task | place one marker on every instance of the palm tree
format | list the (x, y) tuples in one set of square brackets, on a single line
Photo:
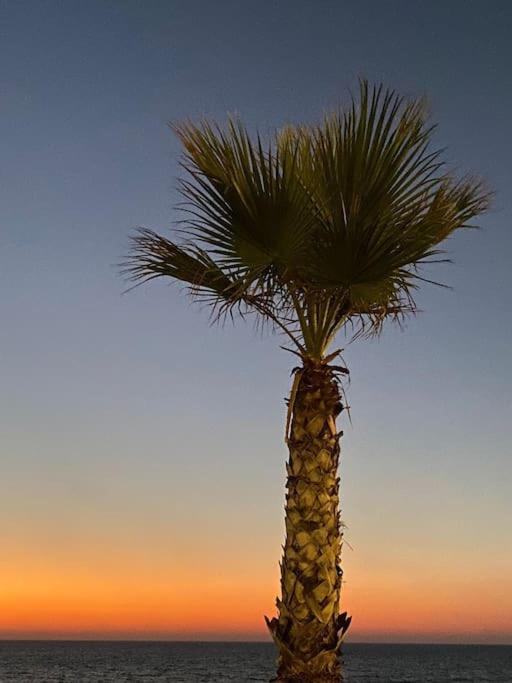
[(320, 229)]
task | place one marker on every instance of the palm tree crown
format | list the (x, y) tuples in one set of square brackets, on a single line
[(318, 228)]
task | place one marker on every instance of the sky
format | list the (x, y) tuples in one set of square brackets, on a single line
[(141, 451)]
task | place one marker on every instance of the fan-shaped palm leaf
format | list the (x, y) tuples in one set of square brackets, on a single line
[(320, 226)]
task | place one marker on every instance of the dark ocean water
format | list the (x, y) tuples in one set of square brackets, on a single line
[(108, 662)]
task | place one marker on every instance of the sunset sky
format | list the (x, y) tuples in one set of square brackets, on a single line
[(141, 451)]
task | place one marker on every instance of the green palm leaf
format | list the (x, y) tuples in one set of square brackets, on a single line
[(318, 227)]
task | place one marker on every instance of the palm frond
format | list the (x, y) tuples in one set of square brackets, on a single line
[(246, 200), (318, 227)]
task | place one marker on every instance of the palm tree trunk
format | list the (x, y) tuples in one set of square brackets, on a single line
[(309, 627)]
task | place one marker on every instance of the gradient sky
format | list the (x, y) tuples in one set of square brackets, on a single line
[(142, 456)]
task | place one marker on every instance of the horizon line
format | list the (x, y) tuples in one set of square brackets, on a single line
[(244, 642)]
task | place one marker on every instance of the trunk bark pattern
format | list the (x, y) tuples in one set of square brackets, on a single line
[(309, 628)]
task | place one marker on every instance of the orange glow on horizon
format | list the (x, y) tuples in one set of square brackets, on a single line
[(172, 604)]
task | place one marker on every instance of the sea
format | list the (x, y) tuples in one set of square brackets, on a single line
[(173, 662)]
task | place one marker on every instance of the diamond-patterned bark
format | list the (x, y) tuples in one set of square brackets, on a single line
[(309, 627)]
